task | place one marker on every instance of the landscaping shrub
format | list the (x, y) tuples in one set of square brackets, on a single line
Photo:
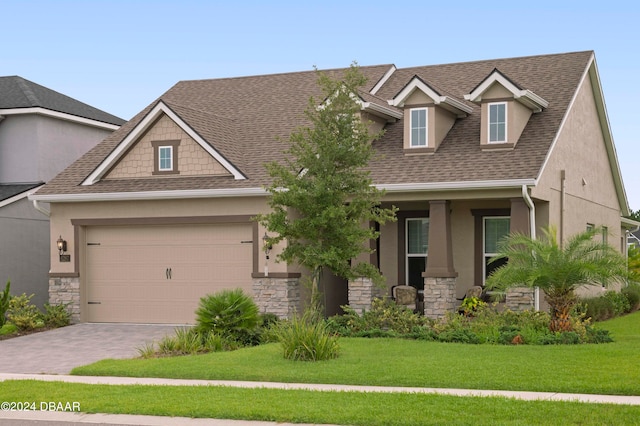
[(632, 293), (612, 303), (23, 314), (484, 325), (386, 318), (187, 341), (56, 315), (8, 328), (231, 314), (305, 339)]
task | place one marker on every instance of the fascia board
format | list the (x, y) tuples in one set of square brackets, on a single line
[(526, 97), (451, 104), (608, 136), (454, 186), (19, 197), (139, 130), (60, 116), (375, 108), (414, 84), (150, 195), (383, 80)]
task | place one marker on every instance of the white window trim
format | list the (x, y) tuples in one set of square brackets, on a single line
[(426, 128), (165, 169), (506, 120), (485, 255), (407, 255)]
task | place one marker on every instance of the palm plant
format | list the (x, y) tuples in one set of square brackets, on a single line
[(557, 270)]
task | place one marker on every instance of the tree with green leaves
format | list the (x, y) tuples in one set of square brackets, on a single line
[(322, 198), (557, 270), (634, 214)]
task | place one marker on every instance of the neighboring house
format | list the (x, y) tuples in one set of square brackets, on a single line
[(41, 133), (633, 238), (160, 212)]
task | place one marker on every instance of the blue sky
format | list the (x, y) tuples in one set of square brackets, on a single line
[(121, 55)]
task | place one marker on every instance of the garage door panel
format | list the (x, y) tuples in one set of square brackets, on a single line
[(157, 274)]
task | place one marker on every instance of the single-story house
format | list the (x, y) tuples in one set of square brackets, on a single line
[(41, 133), (160, 212)]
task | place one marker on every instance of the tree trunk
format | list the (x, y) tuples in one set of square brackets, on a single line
[(561, 305)]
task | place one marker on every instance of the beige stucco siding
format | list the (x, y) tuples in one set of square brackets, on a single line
[(590, 195), (63, 213), (193, 160)]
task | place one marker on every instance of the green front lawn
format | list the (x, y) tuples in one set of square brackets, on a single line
[(610, 368), (345, 408)]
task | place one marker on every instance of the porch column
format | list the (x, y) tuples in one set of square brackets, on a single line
[(519, 298), (440, 276)]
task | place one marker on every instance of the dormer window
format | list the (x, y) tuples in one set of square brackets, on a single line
[(418, 128), (165, 157), (428, 116), (506, 108), (498, 122)]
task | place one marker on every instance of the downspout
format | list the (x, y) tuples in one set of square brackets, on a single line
[(563, 192), (532, 231), (41, 209)]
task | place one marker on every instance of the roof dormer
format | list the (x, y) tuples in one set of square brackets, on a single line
[(428, 115), (505, 110)]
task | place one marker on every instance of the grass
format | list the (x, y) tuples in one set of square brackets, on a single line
[(608, 368), (600, 369), (348, 408)]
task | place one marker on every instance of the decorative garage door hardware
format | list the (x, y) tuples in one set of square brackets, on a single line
[(168, 273)]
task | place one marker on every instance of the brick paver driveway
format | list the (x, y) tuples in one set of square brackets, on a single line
[(59, 351)]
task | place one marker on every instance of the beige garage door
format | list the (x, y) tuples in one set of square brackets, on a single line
[(157, 274)]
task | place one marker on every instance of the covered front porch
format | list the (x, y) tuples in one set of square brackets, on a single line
[(442, 248)]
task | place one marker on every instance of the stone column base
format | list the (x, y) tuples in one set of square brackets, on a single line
[(519, 299), (439, 296), (362, 291), (278, 296), (66, 290)]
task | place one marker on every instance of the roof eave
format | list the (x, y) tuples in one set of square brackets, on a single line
[(150, 195), (457, 186), (59, 115)]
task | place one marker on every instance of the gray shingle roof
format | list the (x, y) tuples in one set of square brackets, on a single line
[(17, 92), (248, 119), (10, 190)]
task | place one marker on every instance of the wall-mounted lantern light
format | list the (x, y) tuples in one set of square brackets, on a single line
[(62, 245), (267, 249), (62, 248)]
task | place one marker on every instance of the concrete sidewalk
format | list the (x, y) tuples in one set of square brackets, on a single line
[(521, 395)]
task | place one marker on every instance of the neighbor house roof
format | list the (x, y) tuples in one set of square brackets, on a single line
[(10, 193), (248, 120), (17, 93)]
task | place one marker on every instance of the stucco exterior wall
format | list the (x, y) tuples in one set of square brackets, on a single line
[(35, 148), (24, 251), (589, 189)]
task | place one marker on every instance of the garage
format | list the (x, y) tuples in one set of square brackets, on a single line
[(158, 273)]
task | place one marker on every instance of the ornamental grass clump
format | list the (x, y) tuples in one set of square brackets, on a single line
[(307, 339)]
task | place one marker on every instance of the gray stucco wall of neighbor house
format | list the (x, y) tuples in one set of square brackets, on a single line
[(24, 250), (35, 148)]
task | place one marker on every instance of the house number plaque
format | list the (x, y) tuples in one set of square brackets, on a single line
[(65, 258)]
